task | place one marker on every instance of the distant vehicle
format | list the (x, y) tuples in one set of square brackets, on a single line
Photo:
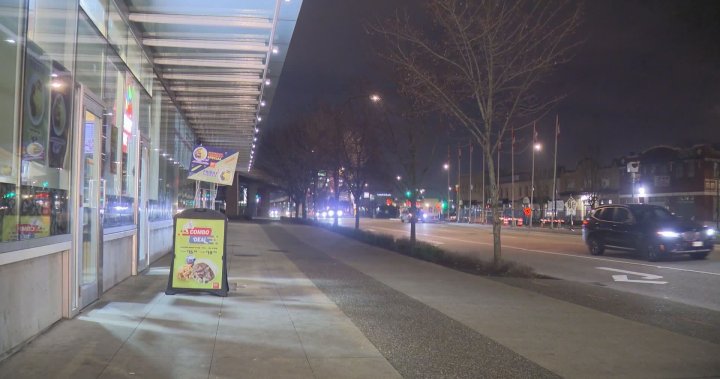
[(650, 230), (331, 213), (406, 215)]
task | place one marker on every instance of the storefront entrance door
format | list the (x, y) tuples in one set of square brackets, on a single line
[(91, 195)]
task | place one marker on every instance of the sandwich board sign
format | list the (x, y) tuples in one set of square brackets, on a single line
[(199, 261)]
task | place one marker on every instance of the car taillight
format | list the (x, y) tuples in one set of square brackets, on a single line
[(585, 222)]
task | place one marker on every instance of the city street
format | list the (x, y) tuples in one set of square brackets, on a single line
[(564, 256)]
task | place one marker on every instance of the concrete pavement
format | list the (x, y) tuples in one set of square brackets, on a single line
[(309, 303), (274, 324)]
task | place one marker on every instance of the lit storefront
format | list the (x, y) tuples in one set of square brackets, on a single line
[(92, 159)]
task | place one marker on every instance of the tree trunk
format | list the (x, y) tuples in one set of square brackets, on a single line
[(357, 218), (336, 184), (304, 206), (413, 219), (497, 226)]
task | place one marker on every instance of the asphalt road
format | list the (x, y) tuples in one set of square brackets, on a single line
[(564, 256)]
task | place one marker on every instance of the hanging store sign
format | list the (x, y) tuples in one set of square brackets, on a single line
[(213, 165)]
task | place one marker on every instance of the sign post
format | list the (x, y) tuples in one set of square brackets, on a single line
[(199, 261)]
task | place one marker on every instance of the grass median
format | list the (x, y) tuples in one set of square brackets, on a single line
[(430, 253)]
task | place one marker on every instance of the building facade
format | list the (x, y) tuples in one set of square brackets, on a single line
[(685, 180), (92, 160)]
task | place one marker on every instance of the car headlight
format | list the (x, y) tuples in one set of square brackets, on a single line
[(710, 232), (668, 234), (323, 215), (339, 213), (331, 213), (425, 215)]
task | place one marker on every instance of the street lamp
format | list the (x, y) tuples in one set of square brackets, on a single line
[(536, 147), (446, 166)]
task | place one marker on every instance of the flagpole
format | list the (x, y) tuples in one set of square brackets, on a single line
[(470, 186), (457, 189), (512, 177), (557, 130), (497, 188), (532, 178), (484, 200)]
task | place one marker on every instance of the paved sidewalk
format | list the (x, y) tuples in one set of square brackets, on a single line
[(274, 324)]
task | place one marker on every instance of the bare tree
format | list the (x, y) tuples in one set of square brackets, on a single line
[(481, 64), (360, 153), (289, 161), (411, 144)]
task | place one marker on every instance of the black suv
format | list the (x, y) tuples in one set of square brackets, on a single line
[(650, 230)]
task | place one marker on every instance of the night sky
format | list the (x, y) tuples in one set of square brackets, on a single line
[(648, 73)]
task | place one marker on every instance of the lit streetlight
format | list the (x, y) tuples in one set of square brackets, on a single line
[(375, 98), (536, 147), (446, 166)]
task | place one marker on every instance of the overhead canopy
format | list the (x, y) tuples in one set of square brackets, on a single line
[(221, 61)]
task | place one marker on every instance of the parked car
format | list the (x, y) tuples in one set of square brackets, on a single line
[(406, 215), (650, 230)]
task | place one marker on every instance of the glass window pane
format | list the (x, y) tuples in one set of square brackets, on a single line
[(117, 31), (51, 28), (134, 56), (12, 22), (46, 148), (96, 10), (90, 57)]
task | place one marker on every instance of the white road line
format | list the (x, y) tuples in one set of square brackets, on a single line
[(570, 255)]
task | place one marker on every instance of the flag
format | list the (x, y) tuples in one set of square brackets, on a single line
[(557, 125), (535, 134)]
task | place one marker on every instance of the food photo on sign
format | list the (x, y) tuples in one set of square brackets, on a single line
[(198, 254)]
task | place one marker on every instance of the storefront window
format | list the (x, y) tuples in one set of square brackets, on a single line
[(90, 56), (121, 141), (117, 31), (51, 27), (96, 11), (46, 125), (12, 22)]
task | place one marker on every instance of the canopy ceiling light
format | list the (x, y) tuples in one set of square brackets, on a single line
[(236, 21)]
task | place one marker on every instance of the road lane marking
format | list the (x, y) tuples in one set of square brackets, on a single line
[(568, 254), (646, 278)]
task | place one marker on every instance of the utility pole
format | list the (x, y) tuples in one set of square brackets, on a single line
[(557, 131), (498, 177), (512, 176), (532, 177)]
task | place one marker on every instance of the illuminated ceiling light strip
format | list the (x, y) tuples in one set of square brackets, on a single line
[(234, 91), (204, 44), (241, 21), (219, 99), (221, 108), (215, 78), (222, 63)]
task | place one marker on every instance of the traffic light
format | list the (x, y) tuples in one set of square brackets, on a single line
[(407, 194), (443, 204)]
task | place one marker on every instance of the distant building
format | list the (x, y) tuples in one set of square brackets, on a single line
[(683, 180), (686, 181)]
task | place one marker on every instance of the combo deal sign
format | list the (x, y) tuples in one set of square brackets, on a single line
[(213, 165)]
